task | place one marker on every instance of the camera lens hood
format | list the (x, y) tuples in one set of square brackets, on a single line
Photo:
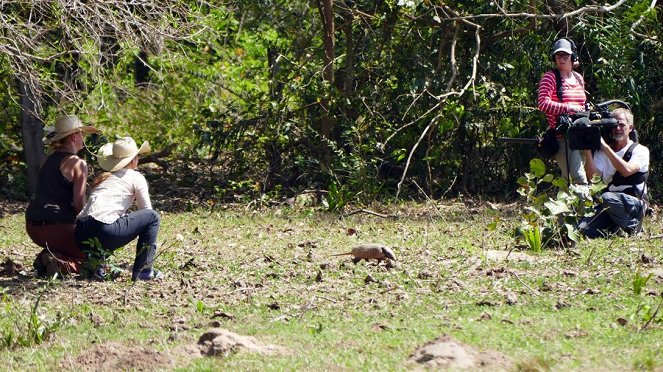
[(609, 122), (581, 122)]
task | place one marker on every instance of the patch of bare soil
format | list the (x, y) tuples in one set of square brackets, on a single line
[(495, 255), (8, 208), (657, 274), (221, 342), (113, 356), (447, 353)]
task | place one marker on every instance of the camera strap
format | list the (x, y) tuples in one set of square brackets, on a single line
[(629, 152)]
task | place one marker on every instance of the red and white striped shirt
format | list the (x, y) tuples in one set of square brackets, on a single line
[(573, 93)]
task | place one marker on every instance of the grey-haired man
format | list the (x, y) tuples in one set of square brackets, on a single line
[(624, 166)]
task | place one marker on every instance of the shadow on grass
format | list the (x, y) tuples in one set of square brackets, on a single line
[(20, 284)]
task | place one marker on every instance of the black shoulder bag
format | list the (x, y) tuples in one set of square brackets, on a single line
[(548, 145)]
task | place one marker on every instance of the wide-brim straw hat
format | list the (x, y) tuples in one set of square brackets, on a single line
[(67, 125), (116, 155)]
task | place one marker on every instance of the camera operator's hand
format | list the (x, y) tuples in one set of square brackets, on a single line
[(590, 167)]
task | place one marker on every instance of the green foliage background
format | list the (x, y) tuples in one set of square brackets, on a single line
[(243, 94)]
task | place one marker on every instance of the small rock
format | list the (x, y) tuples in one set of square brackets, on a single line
[(379, 327), (511, 298), (97, 320), (575, 333), (223, 315), (425, 275), (239, 284), (11, 268), (646, 259), (561, 304)]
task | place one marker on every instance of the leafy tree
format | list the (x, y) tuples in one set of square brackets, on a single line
[(59, 51), (398, 96)]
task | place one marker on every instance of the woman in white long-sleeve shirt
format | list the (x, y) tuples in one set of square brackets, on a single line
[(103, 225)]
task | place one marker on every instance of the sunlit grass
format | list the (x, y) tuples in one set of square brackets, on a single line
[(273, 272)]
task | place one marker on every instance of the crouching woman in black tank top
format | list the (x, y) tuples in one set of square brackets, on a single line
[(60, 196)]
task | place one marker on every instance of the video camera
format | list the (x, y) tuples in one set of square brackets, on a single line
[(584, 129)]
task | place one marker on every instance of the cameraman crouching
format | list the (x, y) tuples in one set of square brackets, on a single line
[(624, 166)]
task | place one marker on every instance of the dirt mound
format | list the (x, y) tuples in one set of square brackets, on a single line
[(113, 356), (448, 353), (221, 342)]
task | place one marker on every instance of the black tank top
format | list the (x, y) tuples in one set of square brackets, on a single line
[(54, 198)]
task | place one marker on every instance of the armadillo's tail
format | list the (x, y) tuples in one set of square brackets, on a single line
[(341, 254)]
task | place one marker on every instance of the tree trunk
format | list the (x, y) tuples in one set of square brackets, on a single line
[(33, 131), (141, 70), (348, 83), (327, 14), (276, 87)]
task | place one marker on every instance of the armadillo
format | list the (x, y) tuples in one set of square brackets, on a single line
[(369, 251)]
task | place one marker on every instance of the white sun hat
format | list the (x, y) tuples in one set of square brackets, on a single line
[(65, 126), (116, 155)]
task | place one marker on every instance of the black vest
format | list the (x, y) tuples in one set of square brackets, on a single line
[(633, 180)]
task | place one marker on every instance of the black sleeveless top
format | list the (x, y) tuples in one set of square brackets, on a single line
[(53, 201)]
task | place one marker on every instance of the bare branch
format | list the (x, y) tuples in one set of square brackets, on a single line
[(594, 9), (36, 35), (442, 98), (635, 24)]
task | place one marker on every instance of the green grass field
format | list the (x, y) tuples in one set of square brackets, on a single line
[(269, 274)]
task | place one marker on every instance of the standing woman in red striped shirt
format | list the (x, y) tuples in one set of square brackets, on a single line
[(573, 96)]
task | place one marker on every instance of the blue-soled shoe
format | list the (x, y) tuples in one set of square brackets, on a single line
[(99, 273), (105, 272)]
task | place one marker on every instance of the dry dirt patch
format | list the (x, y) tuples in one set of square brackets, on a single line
[(495, 255), (113, 356), (447, 353), (656, 273)]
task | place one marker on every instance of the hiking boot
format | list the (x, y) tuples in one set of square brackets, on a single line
[(51, 265), (40, 268), (148, 274), (638, 229)]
